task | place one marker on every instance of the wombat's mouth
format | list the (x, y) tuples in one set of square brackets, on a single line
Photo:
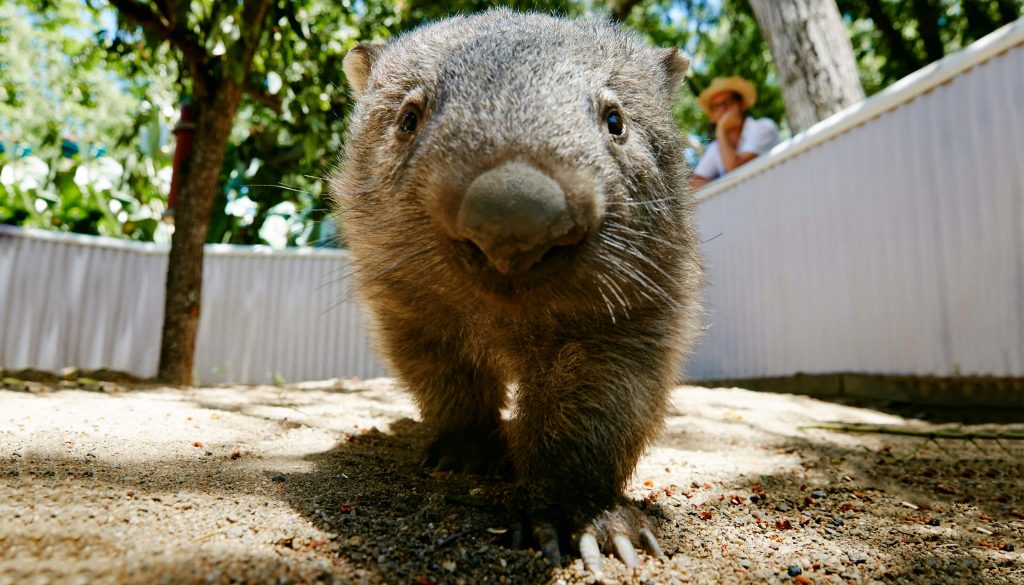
[(528, 272)]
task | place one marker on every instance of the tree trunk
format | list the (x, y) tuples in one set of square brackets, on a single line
[(927, 13), (813, 56), (192, 221)]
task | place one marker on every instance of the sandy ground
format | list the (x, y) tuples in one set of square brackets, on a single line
[(320, 483)]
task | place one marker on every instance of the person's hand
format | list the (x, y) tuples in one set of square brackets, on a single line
[(730, 120)]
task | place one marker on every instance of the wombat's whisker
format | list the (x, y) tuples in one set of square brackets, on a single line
[(636, 253), (611, 241), (713, 238), (616, 266), (616, 292), (651, 237), (425, 260), (334, 277), (624, 267), (608, 303), (646, 284), (281, 186), (656, 203)]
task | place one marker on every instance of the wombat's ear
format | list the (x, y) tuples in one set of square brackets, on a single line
[(357, 65), (676, 64)]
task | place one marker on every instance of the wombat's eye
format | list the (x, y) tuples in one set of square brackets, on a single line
[(614, 121), (408, 122)]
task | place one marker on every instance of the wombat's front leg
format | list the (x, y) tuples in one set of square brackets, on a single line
[(581, 424), (459, 398)]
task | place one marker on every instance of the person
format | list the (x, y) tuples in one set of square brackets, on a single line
[(738, 137)]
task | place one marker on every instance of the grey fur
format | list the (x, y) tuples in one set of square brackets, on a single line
[(584, 354)]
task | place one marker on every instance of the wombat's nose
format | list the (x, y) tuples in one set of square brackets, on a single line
[(515, 213)]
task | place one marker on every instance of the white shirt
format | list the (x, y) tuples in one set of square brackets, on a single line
[(757, 136)]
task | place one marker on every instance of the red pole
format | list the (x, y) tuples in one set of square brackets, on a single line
[(184, 136)]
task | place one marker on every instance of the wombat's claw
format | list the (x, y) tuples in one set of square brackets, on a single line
[(547, 538), (614, 528), (590, 552), (475, 451), (650, 543)]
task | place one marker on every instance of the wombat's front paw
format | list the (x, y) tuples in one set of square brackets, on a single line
[(618, 530), (475, 450)]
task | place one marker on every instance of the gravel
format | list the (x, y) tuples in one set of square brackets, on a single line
[(320, 483)]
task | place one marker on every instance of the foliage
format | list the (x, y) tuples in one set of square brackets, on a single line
[(893, 38), (112, 96), (79, 150)]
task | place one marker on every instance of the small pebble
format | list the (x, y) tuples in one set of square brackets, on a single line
[(856, 557), (794, 570), (837, 522), (818, 495), (278, 478)]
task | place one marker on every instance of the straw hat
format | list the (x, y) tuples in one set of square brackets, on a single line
[(723, 84)]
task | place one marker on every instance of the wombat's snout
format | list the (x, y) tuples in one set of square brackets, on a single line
[(514, 214)]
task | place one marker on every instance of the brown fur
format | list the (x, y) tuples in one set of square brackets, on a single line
[(584, 353)]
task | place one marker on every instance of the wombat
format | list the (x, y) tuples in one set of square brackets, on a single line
[(514, 195)]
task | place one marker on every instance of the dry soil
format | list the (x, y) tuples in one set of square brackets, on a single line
[(102, 483)]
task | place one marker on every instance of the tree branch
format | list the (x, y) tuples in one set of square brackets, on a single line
[(264, 97), (254, 13), (620, 9), (179, 38), (167, 12)]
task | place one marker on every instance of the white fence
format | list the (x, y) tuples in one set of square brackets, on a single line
[(95, 303), (887, 239)]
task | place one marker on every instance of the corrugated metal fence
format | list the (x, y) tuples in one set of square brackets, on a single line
[(887, 239), (96, 303)]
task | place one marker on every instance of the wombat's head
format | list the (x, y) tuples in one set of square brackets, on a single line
[(512, 153)]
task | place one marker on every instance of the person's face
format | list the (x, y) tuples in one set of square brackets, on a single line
[(722, 103)]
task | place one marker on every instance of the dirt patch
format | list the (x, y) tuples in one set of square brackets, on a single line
[(321, 483)]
